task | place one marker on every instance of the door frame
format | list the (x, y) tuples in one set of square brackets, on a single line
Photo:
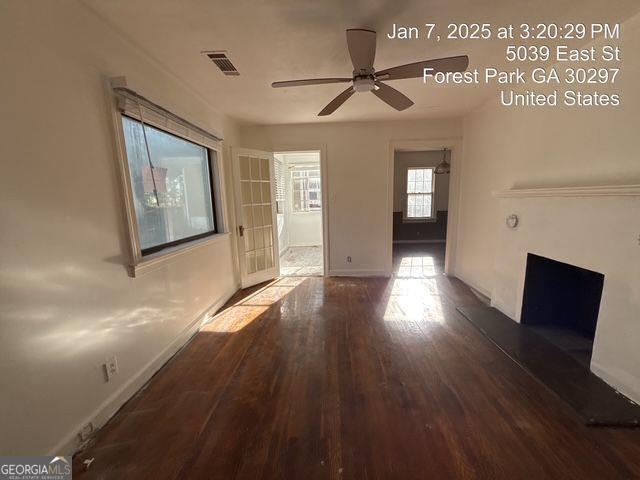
[(453, 220), (264, 276), (322, 149)]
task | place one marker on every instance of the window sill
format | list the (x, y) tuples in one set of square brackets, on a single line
[(156, 260), (420, 220)]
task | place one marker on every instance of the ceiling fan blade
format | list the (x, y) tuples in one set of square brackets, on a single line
[(336, 102), (391, 96), (362, 48), (415, 70), (309, 81)]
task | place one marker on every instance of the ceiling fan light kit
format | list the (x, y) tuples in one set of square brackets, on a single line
[(362, 50), (365, 84)]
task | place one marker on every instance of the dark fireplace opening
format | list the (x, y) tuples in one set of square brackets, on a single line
[(561, 302)]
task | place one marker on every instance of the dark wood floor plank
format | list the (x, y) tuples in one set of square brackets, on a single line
[(352, 378)]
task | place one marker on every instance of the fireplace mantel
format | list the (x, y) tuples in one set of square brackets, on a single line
[(594, 191)]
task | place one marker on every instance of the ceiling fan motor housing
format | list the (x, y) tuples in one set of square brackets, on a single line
[(363, 84)]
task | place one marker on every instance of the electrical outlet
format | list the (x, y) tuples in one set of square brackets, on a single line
[(349, 259), (110, 368)]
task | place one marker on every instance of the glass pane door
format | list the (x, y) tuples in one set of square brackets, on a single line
[(257, 217)]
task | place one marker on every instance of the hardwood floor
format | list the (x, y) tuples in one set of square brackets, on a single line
[(370, 378)]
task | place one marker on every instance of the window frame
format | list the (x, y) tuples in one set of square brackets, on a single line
[(307, 190), (163, 246), (405, 214), (153, 257)]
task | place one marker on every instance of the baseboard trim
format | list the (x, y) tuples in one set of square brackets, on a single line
[(502, 309), (472, 285), (481, 291), (421, 241), (358, 273), (71, 443), (625, 386)]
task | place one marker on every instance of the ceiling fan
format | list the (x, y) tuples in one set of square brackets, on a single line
[(362, 49)]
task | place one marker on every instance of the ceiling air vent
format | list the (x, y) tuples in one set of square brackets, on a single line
[(222, 62)]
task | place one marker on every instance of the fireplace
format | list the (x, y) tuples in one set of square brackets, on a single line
[(561, 302)]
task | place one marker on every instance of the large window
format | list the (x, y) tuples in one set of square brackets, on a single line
[(419, 193), (172, 187), (307, 196)]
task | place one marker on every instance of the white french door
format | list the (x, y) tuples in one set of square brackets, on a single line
[(256, 216)]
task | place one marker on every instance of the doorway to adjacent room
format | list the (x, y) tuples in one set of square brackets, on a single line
[(420, 212), (299, 213)]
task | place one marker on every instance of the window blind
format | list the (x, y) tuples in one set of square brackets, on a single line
[(279, 180), (134, 105)]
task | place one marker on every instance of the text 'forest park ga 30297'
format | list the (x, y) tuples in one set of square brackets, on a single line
[(544, 64)]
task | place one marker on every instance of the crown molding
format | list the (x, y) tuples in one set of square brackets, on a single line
[(593, 191)]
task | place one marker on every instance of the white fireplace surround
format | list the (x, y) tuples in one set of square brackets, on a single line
[(597, 228)]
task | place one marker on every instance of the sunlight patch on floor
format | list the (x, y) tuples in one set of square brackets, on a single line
[(413, 300), (247, 310), (235, 318), (269, 295), (416, 267), (289, 281)]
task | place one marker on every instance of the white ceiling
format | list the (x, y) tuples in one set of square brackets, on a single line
[(273, 40)]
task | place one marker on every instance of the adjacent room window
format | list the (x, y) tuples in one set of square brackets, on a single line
[(419, 193), (172, 186), (306, 190)]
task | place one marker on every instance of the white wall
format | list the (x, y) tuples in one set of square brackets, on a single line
[(357, 156), (305, 229), (506, 148), (403, 160), (515, 147), (67, 302)]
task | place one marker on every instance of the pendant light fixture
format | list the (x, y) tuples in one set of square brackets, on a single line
[(443, 167)]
